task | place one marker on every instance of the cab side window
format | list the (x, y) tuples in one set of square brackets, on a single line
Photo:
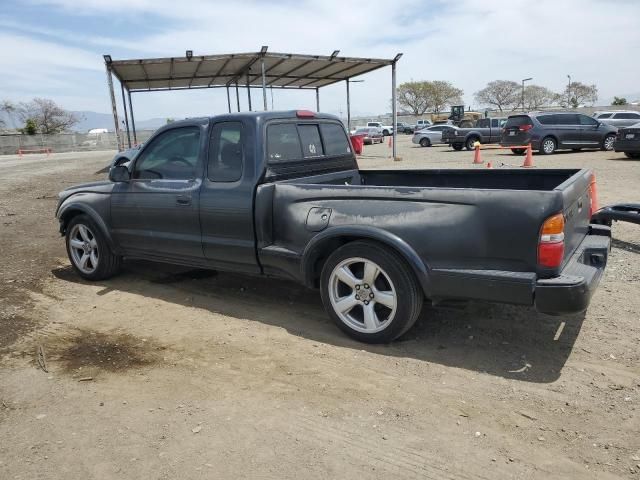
[(172, 155), (226, 153)]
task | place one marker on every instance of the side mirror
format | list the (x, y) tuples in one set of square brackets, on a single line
[(119, 173)]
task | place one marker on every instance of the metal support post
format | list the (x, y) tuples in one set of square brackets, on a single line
[(248, 92), (114, 110), (228, 99), (133, 122), (126, 117), (394, 111), (238, 96), (317, 99), (264, 85), (348, 109)]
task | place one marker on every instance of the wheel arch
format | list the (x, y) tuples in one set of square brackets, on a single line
[(70, 210), (321, 246)]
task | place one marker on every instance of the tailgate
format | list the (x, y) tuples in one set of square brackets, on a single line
[(576, 199)]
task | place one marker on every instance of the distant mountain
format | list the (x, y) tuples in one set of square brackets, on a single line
[(90, 120)]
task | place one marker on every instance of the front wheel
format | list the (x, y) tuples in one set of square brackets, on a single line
[(457, 146), (518, 151), (89, 251), (424, 142), (370, 292), (607, 143), (385, 133)]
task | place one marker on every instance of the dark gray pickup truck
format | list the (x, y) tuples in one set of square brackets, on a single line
[(486, 130), (281, 194)]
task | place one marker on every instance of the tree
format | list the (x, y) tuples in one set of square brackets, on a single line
[(619, 101), (8, 108), (578, 93), (413, 97), (500, 94), (536, 97), (30, 127), (441, 94), (47, 115)]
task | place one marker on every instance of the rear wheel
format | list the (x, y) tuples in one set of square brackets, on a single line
[(607, 143), (89, 251), (634, 155), (457, 146), (547, 146), (425, 142), (518, 151), (470, 143), (370, 292)]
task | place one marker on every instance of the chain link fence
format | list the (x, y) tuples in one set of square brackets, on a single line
[(66, 142)]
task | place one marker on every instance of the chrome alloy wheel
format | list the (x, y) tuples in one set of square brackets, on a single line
[(84, 248), (549, 146), (608, 142), (362, 295)]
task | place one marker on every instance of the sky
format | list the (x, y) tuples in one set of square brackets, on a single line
[(54, 48)]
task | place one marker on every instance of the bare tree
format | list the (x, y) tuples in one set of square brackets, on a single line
[(442, 94), (413, 96), (536, 97), (578, 93), (500, 94), (8, 108), (47, 115)]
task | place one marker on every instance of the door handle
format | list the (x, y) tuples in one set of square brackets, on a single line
[(183, 200)]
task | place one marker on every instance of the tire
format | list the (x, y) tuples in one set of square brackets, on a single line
[(385, 133), (518, 151), (470, 141), (343, 280), (634, 155), (425, 142), (457, 146), (607, 143), (88, 250), (548, 146)]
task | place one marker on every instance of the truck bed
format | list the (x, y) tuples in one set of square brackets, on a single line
[(460, 223)]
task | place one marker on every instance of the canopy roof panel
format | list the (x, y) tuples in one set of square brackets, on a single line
[(282, 70)]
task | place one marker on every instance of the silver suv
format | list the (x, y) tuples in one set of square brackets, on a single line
[(618, 118)]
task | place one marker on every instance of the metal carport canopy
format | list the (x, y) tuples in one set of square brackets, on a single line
[(261, 69)]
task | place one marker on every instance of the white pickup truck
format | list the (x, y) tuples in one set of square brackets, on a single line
[(386, 129)]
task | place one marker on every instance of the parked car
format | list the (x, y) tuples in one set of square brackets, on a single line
[(618, 118), (420, 124), (405, 127), (628, 141), (385, 129), (371, 135), (280, 194), (486, 130), (431, 135), (551, 131)]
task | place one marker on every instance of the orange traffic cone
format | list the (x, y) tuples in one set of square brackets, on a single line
[(528, 159), (477, 158), (390, 141)]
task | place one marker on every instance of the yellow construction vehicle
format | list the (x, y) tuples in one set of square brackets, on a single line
[(458, 117)]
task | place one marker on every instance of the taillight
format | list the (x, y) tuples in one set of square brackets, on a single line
[(551, 242), (525, 128), (593, 195)]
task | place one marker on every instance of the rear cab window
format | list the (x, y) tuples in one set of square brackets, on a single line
[(297, 141)]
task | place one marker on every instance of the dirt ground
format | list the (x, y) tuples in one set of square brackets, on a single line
[(164, 373)]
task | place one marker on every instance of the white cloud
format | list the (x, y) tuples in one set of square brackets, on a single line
[(468, 42)]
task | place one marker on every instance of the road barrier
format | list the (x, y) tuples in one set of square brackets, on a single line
[(477, 156), (22, 151)]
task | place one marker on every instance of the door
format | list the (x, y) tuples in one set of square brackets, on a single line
[(568, 130), (226, 198), (156, 212), (590, 133)]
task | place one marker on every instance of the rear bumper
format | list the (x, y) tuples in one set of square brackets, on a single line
[(508, 142), (568, 292), (571, 291), (632, 146)]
